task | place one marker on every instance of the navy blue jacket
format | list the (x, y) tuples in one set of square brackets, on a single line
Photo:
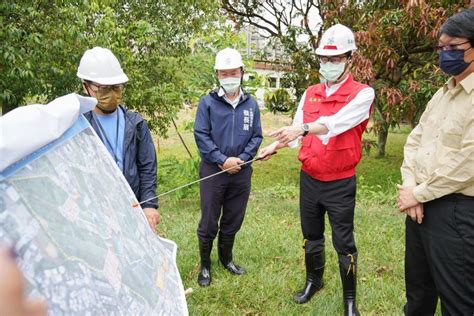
[(221, 131), (140, 163)]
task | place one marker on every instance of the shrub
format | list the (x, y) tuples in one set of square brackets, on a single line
[(174, 173), (278, 101)]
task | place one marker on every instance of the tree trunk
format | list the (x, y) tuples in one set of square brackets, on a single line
[(181, 138), (382, 140)]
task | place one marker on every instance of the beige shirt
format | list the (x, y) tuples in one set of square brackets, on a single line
[(439, 152)]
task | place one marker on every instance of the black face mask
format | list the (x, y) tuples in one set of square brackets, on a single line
[(452, 62)]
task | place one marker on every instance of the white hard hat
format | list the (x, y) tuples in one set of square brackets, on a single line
[(228, 58), (100, 65), (337, 40)]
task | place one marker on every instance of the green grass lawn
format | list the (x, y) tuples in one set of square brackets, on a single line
[(269, 244)]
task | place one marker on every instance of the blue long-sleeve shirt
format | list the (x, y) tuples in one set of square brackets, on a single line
[(139, 162)]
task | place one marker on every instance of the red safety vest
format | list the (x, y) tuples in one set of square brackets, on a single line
[(338, 159)]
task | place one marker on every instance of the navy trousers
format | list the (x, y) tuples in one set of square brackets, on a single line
[(439, 258), (223, 201)]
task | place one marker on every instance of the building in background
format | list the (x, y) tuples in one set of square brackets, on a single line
[(269, 61)]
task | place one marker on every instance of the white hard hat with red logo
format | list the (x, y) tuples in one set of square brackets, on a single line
[(100, 65), (228, 58), (337, 40)]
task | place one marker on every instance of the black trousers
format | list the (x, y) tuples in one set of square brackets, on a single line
[(439, 258), (337, 198), (223, 201)]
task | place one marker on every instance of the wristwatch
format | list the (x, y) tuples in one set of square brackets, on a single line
[(305, 128)]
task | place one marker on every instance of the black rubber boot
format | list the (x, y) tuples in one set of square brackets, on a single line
[(348, 271), (314, 261), (204, 277), (225, 246)]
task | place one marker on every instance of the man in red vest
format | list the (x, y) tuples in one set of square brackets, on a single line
[(329, 123)]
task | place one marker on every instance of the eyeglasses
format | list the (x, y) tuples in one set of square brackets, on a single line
[(449, 47), (332, 59), (116, 87)]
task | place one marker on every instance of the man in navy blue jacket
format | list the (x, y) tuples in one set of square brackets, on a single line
[(228, 133), (124, 133)]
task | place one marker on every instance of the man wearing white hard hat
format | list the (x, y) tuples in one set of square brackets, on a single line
[(228, 133), (329, 123), (124, 133)]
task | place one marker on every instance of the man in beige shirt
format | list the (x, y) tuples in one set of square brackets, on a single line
[(438, 184)]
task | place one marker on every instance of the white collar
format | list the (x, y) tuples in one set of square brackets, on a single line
[(330, 90), (235, 102)]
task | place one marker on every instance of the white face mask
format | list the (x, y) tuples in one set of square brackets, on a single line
[(230, 84), (332, 71)]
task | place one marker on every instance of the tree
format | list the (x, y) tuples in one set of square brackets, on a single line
[(43, 41), (284, 21), (395, 40)]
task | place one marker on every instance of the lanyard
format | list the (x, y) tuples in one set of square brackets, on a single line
[(104, 135)]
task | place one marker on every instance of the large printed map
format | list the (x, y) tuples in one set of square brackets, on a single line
[(67, 210)]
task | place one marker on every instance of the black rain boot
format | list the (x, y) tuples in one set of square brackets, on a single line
[(314, 260), (225, 246), (348, 271), (204, 277)]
